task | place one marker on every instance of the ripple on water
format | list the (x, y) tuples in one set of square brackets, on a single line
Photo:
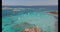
[(43, 20)]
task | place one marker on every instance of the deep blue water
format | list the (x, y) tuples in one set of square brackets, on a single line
[(47, 7), (26, 10)]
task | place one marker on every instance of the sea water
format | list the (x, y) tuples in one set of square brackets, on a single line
[(41, 19)]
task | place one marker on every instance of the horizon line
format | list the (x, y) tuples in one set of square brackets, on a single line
[(29, 5)]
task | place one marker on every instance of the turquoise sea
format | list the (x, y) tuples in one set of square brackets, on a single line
[(34, 16)]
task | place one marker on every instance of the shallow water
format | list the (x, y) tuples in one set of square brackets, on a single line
[(35, 17), (43, 20)]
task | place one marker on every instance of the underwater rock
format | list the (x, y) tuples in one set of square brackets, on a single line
[(26, 27), (34, 29)]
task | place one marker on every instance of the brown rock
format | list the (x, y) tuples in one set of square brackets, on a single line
[(34, 29)]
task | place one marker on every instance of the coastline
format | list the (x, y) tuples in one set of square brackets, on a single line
[(54, 13)]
